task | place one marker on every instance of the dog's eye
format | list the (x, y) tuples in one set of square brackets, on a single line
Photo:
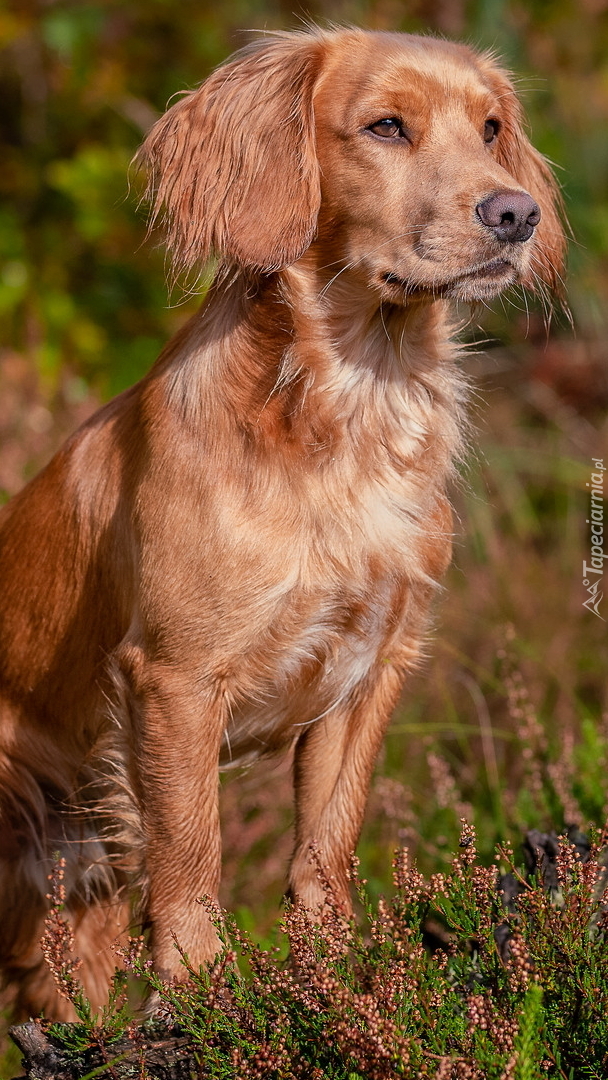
[(491, 131), (390, 128)]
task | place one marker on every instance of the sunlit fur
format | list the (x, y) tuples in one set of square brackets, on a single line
[(239, 553)]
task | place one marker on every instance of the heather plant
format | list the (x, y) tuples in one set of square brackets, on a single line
[(478, 973), (91, 1029)]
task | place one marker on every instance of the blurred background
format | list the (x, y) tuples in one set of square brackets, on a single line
[(507, 724)]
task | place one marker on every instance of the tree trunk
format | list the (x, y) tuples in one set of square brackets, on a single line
[(154, 1054)]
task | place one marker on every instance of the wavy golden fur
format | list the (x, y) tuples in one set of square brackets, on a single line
[(239, 553)]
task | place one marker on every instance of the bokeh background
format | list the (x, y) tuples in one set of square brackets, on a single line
[(507, 724)]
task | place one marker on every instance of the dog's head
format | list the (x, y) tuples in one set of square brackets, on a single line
[(401, 158)]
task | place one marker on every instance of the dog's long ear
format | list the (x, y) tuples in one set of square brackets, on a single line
[(233, 164), (517, 155)]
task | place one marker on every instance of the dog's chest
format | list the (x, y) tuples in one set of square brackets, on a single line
[(307, 661), (326, 600)]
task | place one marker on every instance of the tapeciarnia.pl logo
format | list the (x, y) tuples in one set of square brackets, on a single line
[(594, 569)]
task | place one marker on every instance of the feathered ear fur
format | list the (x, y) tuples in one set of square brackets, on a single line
[(233, 163), (517, 155)]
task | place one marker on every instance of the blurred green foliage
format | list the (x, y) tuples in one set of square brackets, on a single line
[(81, 81)]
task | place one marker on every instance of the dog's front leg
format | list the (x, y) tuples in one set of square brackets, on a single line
[(333, 766), (178, 726)]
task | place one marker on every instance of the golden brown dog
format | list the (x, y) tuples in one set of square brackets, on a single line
[(239, 552)]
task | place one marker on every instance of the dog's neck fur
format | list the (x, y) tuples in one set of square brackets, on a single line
[(303, 367)]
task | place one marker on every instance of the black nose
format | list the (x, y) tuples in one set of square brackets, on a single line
[(511, 215)]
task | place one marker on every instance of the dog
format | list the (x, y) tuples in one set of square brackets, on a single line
[(239, 553)]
